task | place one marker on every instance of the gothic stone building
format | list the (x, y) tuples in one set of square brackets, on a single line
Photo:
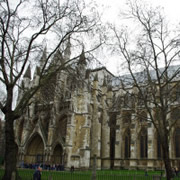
[(70, 121)]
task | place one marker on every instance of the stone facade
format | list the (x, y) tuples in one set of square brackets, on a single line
[(71, 120)]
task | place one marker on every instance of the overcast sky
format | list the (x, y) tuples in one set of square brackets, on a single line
[(112, 8), (171, 7)]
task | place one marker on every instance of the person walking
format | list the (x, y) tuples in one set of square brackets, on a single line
[(37, 174)]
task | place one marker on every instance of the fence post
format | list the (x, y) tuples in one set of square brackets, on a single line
[(50, 177), (94, 168), (13, 177)]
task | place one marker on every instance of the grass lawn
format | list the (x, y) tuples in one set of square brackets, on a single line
[(27, 174)]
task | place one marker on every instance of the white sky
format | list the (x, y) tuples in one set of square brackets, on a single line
[(111, 9), (171, 7)]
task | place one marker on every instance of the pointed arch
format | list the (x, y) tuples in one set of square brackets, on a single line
[(143, 143), (112, 137), (177, 142), (57, 157), (34, 150), (127, 143)]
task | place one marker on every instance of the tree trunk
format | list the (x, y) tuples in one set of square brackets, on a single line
[(11, 149), (166, 159)]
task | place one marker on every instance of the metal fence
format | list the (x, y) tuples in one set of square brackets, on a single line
[(27, 174)]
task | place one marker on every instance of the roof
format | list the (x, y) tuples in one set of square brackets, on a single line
[(142, 77)]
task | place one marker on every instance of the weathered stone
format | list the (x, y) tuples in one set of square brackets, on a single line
[(81, 120)]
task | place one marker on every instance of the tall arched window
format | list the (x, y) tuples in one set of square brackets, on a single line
[(143, 143), (177, 95), (112, 138), (127, 144), (177, 142)]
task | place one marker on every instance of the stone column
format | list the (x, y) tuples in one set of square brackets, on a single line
[(69, 139), (47, 154), (84, 143), (118, 145), (151, 148), (20, 160), (96, 126), (134, 143), (51, 131), (171, 144), (50, 140), (105, 144)]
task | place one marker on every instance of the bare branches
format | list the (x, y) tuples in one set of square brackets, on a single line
[(152, 64), (21, 41), (152, 55), (21, 36)]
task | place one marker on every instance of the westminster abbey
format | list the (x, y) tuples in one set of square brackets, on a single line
[(78, 116)]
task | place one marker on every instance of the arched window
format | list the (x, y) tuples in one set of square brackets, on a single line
[(143, 143), (177, 142), (177, 93), (127, 144), (112, 138)]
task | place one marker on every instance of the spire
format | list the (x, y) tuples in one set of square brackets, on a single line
[(67, 51), (28, 73), (58, 57), (96, 77), (43, 57), (38, 71), (88, 71), (82, 58), (104, 82)]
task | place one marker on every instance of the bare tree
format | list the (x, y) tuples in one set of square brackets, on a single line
[(153, 72), (22, 26)]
